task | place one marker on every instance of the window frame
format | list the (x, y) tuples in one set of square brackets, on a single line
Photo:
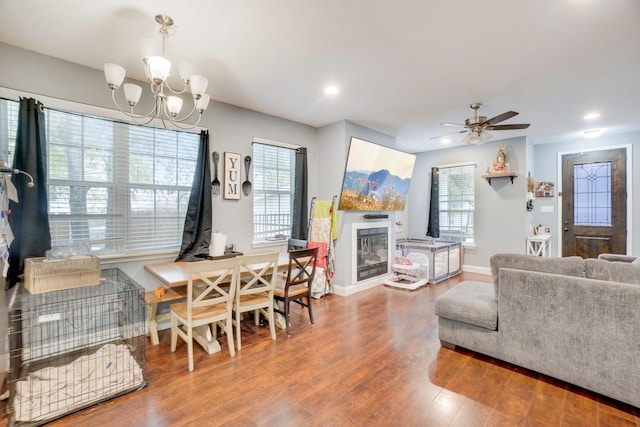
[(465, 170), (69, 107), (278, 231)]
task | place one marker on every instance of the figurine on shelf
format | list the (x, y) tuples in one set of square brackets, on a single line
[(501, 165)]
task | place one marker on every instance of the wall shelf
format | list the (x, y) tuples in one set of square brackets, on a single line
[(491, 176)]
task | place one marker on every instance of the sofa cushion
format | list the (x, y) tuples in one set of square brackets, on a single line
[(625, 272), (618, 257), (597, 269), (470, 302), (568, 266)]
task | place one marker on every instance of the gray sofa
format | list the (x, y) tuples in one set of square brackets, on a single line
[(570, 318)]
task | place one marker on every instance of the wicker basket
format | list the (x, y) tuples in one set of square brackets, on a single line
[(43, 275)]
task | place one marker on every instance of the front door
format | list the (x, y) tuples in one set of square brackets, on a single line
[(594, 203)]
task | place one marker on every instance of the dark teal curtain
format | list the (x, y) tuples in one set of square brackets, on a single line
[(433, 222), (300, 223), (197, 223), (29, 218)]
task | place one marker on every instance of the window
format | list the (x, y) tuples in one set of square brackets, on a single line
[(592, 194), (273, 176), (457, 202), (121, 188)]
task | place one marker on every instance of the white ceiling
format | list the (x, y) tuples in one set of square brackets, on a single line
[(403, 66)]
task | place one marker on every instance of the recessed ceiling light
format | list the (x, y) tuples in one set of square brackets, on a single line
[(593, 133), (592, 116), (331, 90), (445, 140)]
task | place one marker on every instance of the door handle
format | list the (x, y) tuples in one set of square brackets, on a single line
[(566, 229)]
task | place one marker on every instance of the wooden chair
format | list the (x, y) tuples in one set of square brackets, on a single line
[(297, 286), (295, 244), (256, 284), (209, 302)]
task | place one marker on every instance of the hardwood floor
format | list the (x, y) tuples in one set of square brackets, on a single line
[(371, 359)]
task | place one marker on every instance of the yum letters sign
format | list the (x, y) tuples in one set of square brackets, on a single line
[(232, 178)]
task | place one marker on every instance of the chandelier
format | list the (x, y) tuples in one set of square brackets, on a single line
[(167, 105)]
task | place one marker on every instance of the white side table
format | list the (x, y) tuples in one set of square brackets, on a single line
[(538, 245)]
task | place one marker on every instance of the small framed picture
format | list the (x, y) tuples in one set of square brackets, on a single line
[(544, 189), (231, 180)]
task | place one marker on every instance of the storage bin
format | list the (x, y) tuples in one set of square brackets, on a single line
[(46, 275)]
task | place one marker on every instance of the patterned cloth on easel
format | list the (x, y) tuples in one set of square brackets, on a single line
[(320, 233), (324, 209)]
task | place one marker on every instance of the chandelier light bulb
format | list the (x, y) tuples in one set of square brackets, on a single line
[(198, 85), (132, 93), (174, 105), (114, 75), (186, 70), (202, 103), (159, 69)]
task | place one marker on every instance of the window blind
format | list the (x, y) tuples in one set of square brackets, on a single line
[(273, 177), (457, 203), (122, 189)]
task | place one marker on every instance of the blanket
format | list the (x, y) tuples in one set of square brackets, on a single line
[(53, 391)]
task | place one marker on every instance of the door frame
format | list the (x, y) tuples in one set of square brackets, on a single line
[(629, 154)]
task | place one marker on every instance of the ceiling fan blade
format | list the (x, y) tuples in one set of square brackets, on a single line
[(499, 118), (508, 127), (453, 124), (447, 134)]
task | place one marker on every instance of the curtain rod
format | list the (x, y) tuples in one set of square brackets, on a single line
[(68, 106)]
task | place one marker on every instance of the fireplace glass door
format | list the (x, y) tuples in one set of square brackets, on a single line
[(372, 252)]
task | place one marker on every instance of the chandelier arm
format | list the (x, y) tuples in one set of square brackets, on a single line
[(179, 124), (141, 123), (176, 92), (131, 114)]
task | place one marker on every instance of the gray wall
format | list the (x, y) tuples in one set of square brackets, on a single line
[(500, 215), (546, 169)]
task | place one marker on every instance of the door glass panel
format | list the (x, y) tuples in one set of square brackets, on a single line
[(592, 194)]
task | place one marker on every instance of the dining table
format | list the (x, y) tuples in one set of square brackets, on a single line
[(174, 278)]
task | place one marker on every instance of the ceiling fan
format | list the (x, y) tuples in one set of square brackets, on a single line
[(476, 127)]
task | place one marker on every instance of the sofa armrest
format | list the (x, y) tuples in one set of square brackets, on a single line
[(617, 257)]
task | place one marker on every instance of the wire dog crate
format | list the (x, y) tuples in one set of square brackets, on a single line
[(73, 348)]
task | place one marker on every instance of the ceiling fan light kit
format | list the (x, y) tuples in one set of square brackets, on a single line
[(477, 137), (476, 127)]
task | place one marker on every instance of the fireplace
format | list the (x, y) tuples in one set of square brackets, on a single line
[(371, 251)]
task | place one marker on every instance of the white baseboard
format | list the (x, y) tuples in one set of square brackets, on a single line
[(476, 269), (345, 291)]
